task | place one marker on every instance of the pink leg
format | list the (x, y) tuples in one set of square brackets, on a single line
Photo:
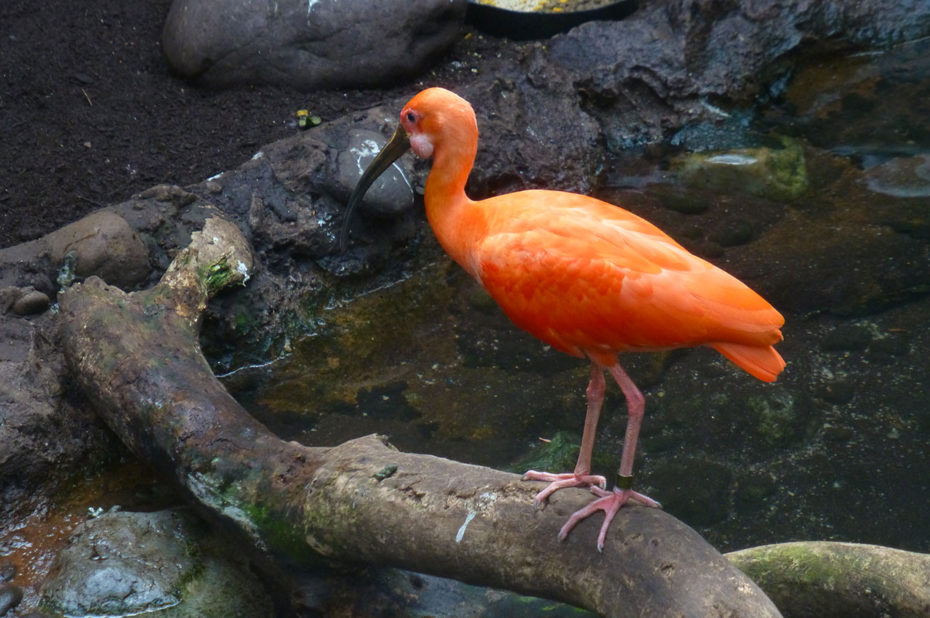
[(582, 476), (611, 501)]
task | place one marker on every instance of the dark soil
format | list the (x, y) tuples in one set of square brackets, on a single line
[(90, 113)]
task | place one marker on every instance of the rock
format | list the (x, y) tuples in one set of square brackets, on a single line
[(674, 60), (124, 563), (778, 174), (821, 578), (535, 133), (837, 392), (10, 596), (308, 44), (43, 435), (102, 244), (695, 490), (32, 301), (875, 105), (392, 193), (901, 177), (848, 337)]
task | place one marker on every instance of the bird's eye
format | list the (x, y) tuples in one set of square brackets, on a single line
[(411, 117)]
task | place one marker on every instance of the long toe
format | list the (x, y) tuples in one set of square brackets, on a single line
[(610, 502), (561, 481)]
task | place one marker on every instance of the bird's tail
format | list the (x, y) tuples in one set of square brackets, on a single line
[(762, 362)]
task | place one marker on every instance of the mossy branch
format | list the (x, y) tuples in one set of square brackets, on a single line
[(839, 579)]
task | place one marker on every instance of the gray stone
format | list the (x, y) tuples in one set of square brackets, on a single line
[(10, 596), (102, 244), (32, 301), (308, 44), (124, 563), (392, 192), (674, 61)]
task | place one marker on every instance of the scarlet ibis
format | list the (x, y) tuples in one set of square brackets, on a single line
[(587, 277)]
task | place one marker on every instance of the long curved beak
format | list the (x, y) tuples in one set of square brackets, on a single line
[(398, 145)]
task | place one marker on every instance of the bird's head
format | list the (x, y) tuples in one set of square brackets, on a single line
[(434, 121), (439, 118)]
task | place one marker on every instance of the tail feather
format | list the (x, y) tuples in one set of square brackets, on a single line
[(760, 362)]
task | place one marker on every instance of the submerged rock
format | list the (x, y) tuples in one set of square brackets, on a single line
[(901, 177), (30, 301), (124, 563), (10, 597), (778, 174)]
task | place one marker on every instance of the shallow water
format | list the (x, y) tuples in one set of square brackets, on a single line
[(30, 545), (818, 199)]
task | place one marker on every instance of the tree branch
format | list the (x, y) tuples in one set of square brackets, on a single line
[(819, 578), (137, 356)]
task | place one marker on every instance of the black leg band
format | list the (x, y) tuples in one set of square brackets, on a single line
[(624, 482)]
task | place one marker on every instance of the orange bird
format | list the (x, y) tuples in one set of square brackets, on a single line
[(586, 277)]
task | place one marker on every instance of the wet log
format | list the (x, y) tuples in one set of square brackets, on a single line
[(137, 357), (826, 579)]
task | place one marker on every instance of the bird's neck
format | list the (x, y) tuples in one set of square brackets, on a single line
[(455, 220)]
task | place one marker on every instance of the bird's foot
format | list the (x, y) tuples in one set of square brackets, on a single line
[(561, 481), (609, 502)]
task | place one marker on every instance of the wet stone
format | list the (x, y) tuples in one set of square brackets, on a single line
[(101, 244), (776, 418), (10, 596), (888, 349), (901, 177), (30, 303), (778, 174), (392, 192), (125, 563), (848, 337), (227, 42), (695, 491), (752, 491), (838, 392), (837, 434), (923, 421), (733, 233)]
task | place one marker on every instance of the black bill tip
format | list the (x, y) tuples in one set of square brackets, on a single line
[(396, 146)]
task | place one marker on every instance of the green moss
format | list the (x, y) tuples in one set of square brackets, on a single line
[(560, 453), (776, 417), (281, 536), (805, 566), (217, 275), (778, 174)]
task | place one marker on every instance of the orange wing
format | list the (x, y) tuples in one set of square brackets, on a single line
[(592, 279)]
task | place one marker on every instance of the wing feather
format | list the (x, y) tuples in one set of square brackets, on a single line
[(588, 277)]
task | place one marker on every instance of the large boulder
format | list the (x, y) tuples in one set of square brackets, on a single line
[(308, 44)]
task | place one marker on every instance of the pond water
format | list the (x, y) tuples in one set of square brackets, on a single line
[(818, 198)]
